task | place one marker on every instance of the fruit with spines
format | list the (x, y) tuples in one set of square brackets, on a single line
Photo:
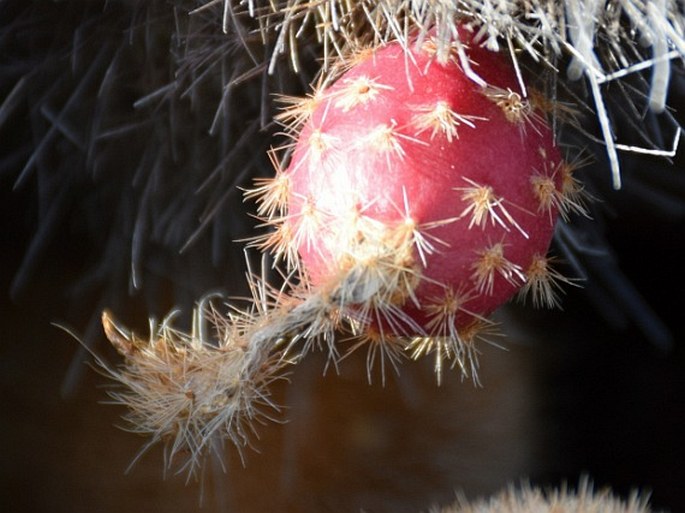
[(419, 198)]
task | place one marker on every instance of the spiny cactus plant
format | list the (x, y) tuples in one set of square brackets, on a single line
[(382, 274), (418, 193), (527, 499)]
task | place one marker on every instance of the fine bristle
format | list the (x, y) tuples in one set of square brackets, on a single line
[(485, 208), (544, 283), (490, 263)]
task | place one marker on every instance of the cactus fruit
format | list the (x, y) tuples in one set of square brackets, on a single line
[(418, 195)]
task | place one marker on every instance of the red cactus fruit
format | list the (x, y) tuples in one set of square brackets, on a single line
[(418, 196)]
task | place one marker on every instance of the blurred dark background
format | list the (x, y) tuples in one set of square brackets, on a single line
[(102, 181)]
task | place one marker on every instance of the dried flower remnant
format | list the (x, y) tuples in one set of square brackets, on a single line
[(188, 392)]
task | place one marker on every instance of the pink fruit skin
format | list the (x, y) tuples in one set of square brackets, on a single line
[(432, 171)]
